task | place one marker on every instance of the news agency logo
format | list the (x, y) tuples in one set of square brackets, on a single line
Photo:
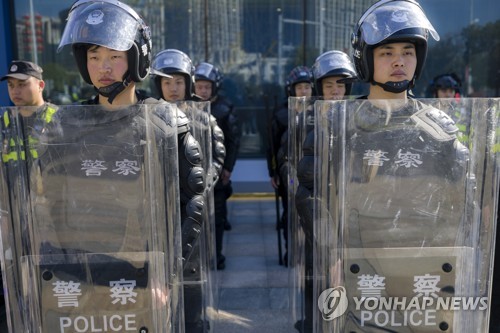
[(333, 303), (395, 311)]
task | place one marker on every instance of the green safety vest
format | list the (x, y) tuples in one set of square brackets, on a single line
[(9, 151)]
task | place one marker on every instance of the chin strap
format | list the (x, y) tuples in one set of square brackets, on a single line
[(394, 87), (114, 89)]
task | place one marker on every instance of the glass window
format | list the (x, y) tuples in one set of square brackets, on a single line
[(257, 42)]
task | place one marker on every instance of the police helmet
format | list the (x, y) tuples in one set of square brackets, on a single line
[(446, 81), (390, 21), (208, 72), (172, 61), (333, 63), (298, 75), (111, 24)]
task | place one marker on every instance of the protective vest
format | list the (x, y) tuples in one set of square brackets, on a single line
[(11, 140)]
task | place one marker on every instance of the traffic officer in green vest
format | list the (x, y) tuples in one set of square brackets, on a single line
[(25, 86)]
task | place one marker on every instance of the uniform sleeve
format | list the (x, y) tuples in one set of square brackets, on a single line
[(218, 148), (231, 128), (192, 185), (281, 141), (304, 198), (274, 146)]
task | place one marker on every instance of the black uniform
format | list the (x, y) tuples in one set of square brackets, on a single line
[(277, 163), (222, 109), (191, 179), (218, 148), (89, 174), (371, 128), (304, 202), (194, 297)]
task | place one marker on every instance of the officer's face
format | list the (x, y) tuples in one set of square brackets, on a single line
[(332, 89), (25, 92), (203, 89), (173, 89), (394, 62), (446, 93), (106, 66), (303, 89)]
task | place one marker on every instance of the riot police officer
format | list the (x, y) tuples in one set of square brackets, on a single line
[(445, 86), (328, 70), (112, 46), (208, 80), (448, 88), (369, 46), (299, 83), (178, 87), (388, 204), (178, 83), (116, 88)]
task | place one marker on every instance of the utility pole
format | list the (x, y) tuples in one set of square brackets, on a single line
[(304, 31), (34, 47), (206, 32)]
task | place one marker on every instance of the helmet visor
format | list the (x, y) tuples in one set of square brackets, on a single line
[(391, 17), (333, 61), (102, 24), (204, 71), (299, 74), (172, 61)]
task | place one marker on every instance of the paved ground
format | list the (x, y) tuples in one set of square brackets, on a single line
[(254, 294)]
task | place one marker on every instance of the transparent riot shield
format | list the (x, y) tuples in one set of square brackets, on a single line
[(300, 180), (200, 283), (458, 110), (90, 219), (405, 217)]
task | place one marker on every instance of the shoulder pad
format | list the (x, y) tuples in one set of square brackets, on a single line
[(182, 119), (436, 123), (151, 100), (159, 116)]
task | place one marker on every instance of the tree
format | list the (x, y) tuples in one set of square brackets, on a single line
[(476, 48)]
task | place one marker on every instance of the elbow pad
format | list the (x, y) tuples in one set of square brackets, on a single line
[(191, 173), (192, 224)]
